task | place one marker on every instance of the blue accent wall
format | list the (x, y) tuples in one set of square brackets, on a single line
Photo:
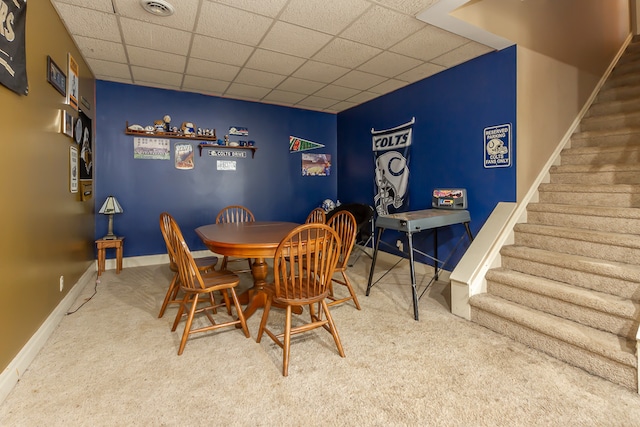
[(270, 184), (451, 110)]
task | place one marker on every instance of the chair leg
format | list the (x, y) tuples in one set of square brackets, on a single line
[(287, 343), (241, 318), (332, 328), (265, 317), (227, 303), (187, 326), (183, 304), (171, 294), (351, 291)]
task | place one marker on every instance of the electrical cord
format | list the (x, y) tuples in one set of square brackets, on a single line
[(95, 291)]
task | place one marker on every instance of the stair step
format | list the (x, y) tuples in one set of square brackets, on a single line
[(596, 174), (602, 218), (595, 244), (594, 309), (599, 353), (629, 66), (617, 93), (621, 136), (623, 80), (615, 106), (611, 277), (611, 121), (620, 195), (601, 155)]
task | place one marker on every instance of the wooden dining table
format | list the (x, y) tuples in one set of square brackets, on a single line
[(257, 240)]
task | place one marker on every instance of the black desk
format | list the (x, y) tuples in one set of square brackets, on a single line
[(415, 222)]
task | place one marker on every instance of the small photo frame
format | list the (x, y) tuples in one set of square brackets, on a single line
[(56, 77), (67, 124)]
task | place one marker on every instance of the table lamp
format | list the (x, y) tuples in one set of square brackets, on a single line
[(110, 207)]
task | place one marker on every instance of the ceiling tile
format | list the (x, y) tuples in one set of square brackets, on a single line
[(247, 91), (259, 78), (213, 70), (284, 96), (346, 53), (201, 84), (293, 84), (266, 60), (111, 69), (462, 54), (220, 50), (429, 43), (359, 80), (388, 86), (156, 59), (184, 17), (338, 93), (320, 72), (420, 72), (101, 49), (389, 64), (269, 8), (317, 102), (410, 7), (363, 97), (149, 75), (382, 27), (329, 16), (228, 23), (294, 40), (156, 37), (100, 5), (341, 106), (86, 22)]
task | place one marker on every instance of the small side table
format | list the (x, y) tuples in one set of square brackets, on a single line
[(103, 245)]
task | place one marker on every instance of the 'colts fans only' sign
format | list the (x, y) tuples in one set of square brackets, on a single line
[(13, 60)]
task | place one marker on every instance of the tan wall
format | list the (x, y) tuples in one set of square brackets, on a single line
[(564, 47), (46, 231)]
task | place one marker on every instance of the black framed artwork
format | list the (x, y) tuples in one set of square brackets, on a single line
[(56, 77)]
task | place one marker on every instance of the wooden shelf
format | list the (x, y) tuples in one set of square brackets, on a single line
[(172, 135), (226, 147)]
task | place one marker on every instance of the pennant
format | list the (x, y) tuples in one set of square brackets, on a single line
[(298, 144)]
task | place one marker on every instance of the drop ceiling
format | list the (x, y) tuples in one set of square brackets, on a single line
[(322, 55)]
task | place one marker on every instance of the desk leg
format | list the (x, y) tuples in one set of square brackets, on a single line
[(435, 253), (373, 260), (101, 260), (413, 277)]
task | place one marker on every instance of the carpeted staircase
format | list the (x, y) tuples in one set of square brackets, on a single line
[(569, 285)]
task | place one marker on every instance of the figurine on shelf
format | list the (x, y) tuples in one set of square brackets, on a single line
[(158, 126), (188, 129), (167, 123), (226, 140)]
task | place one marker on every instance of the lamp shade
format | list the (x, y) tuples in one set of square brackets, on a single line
[(111, 206)]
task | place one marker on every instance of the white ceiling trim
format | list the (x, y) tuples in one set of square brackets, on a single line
[(439, 15)]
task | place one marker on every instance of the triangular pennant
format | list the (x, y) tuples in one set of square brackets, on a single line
[(298, 144)]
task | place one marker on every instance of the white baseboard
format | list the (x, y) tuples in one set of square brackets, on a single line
[(16, 368)]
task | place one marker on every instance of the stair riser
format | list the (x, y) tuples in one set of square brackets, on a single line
[(625, 139), (584, 315), (596, 178), (609, 122), (594, 364), (618, 94), (578, 247), (622, 156), (614, 107), (610, 285), (630, 66), (622, 200), (616, 81), (588, 222)]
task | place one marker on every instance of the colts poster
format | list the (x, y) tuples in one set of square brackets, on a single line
[(391, 152), (13, 60)]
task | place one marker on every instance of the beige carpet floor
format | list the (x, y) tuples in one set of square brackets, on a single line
[(114, 363)]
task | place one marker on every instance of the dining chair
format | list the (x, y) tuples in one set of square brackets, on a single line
[(344, 223), (204, 264), (199, 288), (317, 215), (364, 215), (302, 268), (235, 214)]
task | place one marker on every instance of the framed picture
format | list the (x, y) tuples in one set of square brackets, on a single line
[(73, 169), (67, 124), (86, 187), (56, 77), (72, 89)]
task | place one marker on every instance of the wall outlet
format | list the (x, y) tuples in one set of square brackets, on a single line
[(61, 283), (400, 245)]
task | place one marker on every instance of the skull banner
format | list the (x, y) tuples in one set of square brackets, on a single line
[(391, 152)]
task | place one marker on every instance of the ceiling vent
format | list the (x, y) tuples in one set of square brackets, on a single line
[(157, 7)]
